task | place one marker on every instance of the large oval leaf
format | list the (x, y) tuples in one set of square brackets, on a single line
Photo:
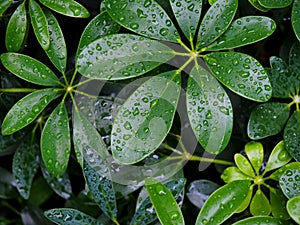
[(275, 3), (260, 205), (262, 220), (255, 153), (27, 110), (241, 73), (145, 118), (4, 5), (295, 18), (293, 208), (258, 6), (278, 204), (290, 183), (147, 18), (223, 203), (209, 110), (29, 69)]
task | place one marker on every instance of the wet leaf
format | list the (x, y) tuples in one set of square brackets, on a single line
[(145, 119), (241, 73), (223, 203), (209, 111), (27, 110), (67, 7), (293, 208), (244, 165), (29, 69), (8, 143), (121, 56), (40, 192), (260, 205), (262, 220), (233, 173), (278, 204), (16, 28), (188, 15), (277, 174), (295, 18), (290, 183), (255, 153), (216, 21), (246, 202), (275, 3), (244, 31), (258, 6), (267, 119), (4, 5), (294, 61), (147, 18)]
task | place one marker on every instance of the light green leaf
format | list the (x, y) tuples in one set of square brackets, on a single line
[(295, 18), (278, 202), (255, 153), (275, 3), (291, 135), (145, 118), (209, 110), (188, 15), (223, 203), (29, 69), (243, 164), (16, 29), (216, 21), (277, 174), (165, 205), (121, 56), (262, 220), (55, 141), (27, 110), (246, 202), (232, 173), (244, 31), (147, 18), (258, 6), (4, 5), (290, 183), (67, 7), (267, 119), (293, 206), (241, 73), (39, 24), (260, 205)]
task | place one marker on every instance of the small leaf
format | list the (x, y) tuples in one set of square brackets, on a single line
[(67, 7), (70, 217), (55, 141), (291, 136), (295, 18), (4, 5), (129, 56), (232, 173), (29, 69), (165, 205), (262, 220), (267, 119), (278, 202), (290, 183), (278, 173), (39, 24), (27, 110), (260, 205), (244, 31), (275, 3), (293, 206), (294, 61), (255, 153), (16, 28), (147, 18), (241, 73), (145, 119), (257, 5), (216, 21), (209, 110), (188, 15), (223, 203), (244, 165)]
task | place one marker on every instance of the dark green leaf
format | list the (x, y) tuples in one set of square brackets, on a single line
[(241, 73), (10, 142), (262, 220), (244, 31), (255, 153), (244, 165), (293, 208), (233, 173), (290, 183), (147, 18), (7, 177), (145, 119), (4, 5), (275, 3), (7, 191), (209, 110), (294, 61), (40, 192), (67, 8), (33, 215), (121, 56), (260, 205), (258, 6), (223, 203), (278, 204), (216, 21), (277, 174), (16, 29), (295, 18), (29, 69), (291, 136)]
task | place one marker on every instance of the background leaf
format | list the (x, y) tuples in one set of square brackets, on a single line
[(293, 208), (258, 6), (290, 183), (275, 3), (4, 5), (260, 205), (278, 202), (294, 61), (262, 220), (295, 18)]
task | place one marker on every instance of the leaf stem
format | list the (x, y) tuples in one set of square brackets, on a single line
[(85, 94), (83, 82), (17, 90), (168, 147), (65, 78), (74, 102), (202, 159), (73, 77), (184, 46), (4, 203)]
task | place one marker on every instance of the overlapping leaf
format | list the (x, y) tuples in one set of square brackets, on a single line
[(278, 204), (295, 18), (275, 3), (4, 5), (262, 220), (293, 208), (290, 183), (260, 205), (258, 6), (255, 153)]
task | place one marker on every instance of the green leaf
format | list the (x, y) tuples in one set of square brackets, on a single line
[(25, 166), (32, 214), (216, 21), (243, 164), (55, 141), (209, 110), (129, 56), (27, 110), (16, 29), (147, 18), (188, 15), (39, 24), (246, 202), (275, 3), (255, 153), (293, 208), (262, 220), (291, 136), (257, 5), (40, 192), (57, 51), (277, 174), (4, 5), (9, 142), (70, 217), (278, 202), (294, 61), (241, 73), (260, 205), (145, 119), (290, 183), (295, 18), (244, 31), (278, 158), (223, 203), (267, 119), (29, 69), (67, 7), (99, 26), (232, 173), (165, 205)]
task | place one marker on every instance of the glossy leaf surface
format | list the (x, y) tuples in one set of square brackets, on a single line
[(121, 56), (260, 205), (258, 6), (290, 183), (275, 3), (240, 73), (278, 173), (255, 153), (147, 18), (294, 61), (262, 220), (4, 5), (145, 118), (293, 208), (209, 110), (243, 164), (233, 173), (278, 204)]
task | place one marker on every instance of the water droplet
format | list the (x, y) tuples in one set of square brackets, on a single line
[(224, 110), (174, 215), (164, 31), (127, 125), (136, 112), (141, 14), (134, 26), (147, 3), (160, 190)]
